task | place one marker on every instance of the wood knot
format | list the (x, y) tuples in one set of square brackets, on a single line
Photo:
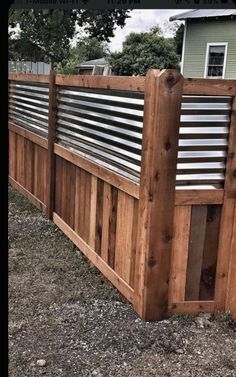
[(167, 238), (167, 145), (231, 155), (170, 81), (151, 261), (157, 176), (234, 173), (150, 196)]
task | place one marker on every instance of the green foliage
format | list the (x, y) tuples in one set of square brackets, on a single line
[(178, 39), (142, 51), (86, 49), (52, 29)]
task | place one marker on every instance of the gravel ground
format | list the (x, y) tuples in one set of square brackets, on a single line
[(65, 319)]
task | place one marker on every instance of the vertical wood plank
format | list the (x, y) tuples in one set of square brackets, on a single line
[(93, 207), (71, 196), (112, 227), (195, 254), (105, 221), (87, 204), (52, 119), (125, 206), (98, 240), (58, 187), (163, 96), (12, 154), (210, 252), (179, 257), (134, 243), (224, 252), (77, 204), (230, 177), (231, 289), (82, 184)]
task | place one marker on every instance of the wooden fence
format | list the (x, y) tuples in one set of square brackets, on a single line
[(142, 208)]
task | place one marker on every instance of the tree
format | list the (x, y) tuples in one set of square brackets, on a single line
[(52, 29), (86, 49), (142, 51), (178, 39)]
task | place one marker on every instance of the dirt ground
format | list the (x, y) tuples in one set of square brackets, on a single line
[(62, 311)]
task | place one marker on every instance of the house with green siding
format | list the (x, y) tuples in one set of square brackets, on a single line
[(209, 43)]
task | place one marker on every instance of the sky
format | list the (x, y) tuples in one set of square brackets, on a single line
[(143, 20)]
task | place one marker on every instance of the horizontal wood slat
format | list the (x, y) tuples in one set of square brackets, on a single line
[(192, 307), (103, 82), (209, 87), (35, 201), (108, 176), (201, 197), (28, 77), (39, 140)]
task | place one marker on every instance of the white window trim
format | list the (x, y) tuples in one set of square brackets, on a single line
[(183, 48), (225, 44)]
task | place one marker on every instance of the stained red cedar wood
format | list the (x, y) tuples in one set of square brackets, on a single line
[(116, 280), (106, 175), (87, 204), (52, 108), (195, 253), (35, 201), (105, 221), (81, 210), (192, 307), (28, 135), (28, 77), (224, 252), (101, 82), (98, 238), (230, 177), (11, 154), (209, 87), (179, 256), (112, 227), (231, 289), (210, 253), (163, 96), (134, 243), (201, 197), (125, 207), (93, 207), (58, 186)]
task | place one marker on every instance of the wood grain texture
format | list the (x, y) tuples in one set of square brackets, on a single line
[(199, 197), (28, 135), (35, 201), (134, 243), (112, 227), (115, 279), (163, 96), (98, 171), (230, 175), (195, 254), (102, 82), (105, 221), (28, 77), (210, 253), (99, 216), (93, 208), (125, 207), (231, 289), (192, 307), (179, 256), (209, 87), (224, 252)]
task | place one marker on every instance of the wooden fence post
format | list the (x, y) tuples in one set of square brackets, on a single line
[(51, 139), (225, 294), (162, 108)]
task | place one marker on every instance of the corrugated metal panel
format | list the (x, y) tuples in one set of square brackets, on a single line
[(103, 125), (106, 127), (203, 141), (28, 106)]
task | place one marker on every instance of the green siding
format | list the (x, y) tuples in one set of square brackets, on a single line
[(198, 34)]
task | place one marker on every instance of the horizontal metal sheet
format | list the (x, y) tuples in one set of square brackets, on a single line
[(103, 125), (28, 106)]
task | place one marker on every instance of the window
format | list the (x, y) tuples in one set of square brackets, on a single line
[(216, 60)]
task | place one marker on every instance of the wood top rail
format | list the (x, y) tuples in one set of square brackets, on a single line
[(30, 77), (209, 87), (103, 82)]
